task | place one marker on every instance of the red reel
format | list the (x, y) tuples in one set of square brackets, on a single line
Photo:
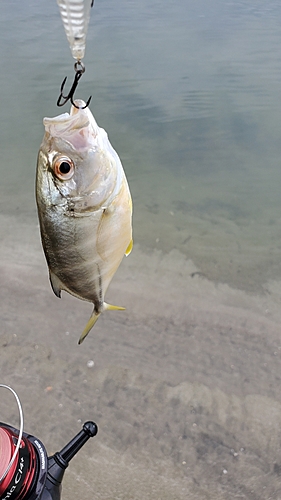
[(22, 474)]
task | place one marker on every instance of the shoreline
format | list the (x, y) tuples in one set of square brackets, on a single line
[(184, 383)]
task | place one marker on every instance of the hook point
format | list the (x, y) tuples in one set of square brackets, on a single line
[(62, 99)]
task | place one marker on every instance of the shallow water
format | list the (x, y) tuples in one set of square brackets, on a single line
[(185, 385)]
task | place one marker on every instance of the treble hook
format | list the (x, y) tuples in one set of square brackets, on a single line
[(62, 100)]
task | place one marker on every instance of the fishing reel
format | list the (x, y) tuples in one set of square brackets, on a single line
[(26, 472)]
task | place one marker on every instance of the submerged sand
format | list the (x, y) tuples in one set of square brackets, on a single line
[(184, 385)]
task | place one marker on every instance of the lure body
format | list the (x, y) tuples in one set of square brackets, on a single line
[(75, 16)]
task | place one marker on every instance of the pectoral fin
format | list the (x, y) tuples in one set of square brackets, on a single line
[(55, 284)]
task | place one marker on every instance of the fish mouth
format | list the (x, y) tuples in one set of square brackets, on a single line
[(78, 127), (78, 105)]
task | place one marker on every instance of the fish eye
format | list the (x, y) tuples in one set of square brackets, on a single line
[(63, 168)]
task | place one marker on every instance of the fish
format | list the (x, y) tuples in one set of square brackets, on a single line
[(84, 208)]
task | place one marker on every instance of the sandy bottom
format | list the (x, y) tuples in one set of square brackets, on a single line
[(184, 385)]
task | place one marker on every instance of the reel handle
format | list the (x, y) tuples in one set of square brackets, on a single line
[(89, 430), (60, 460)]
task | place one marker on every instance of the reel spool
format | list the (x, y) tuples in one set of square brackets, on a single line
[(27, 471)]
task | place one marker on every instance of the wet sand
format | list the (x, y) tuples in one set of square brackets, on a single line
[(184, 385)]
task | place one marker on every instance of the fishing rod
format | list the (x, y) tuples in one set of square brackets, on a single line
[(75, 16), (26, 471)]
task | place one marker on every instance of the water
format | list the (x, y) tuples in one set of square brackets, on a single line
[(185, 383)]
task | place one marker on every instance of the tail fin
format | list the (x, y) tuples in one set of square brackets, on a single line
[(110, 307), (94, 317), (89, 326)]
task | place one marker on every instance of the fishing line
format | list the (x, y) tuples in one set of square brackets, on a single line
[(20, 431)]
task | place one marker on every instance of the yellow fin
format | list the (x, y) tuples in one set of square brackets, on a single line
[(110, 307), (130, 248), (88, 326), (94, 318)]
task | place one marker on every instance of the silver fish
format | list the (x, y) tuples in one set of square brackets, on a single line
[(84, 208)]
